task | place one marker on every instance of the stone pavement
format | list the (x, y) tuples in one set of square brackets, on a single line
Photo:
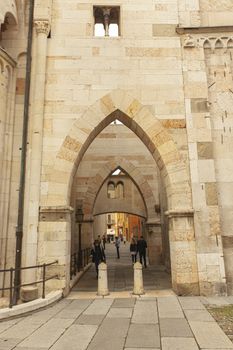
[(120, 274), (165, 323)]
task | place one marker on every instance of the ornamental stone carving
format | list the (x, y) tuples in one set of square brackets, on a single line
[(189, 41), (42, 26)]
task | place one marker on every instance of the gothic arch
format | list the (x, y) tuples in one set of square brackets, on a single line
[(119, 105), (8, 10), (55, 203), (94, 185)]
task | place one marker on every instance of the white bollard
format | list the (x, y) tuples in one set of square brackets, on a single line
[(102, 280), (138, 279)]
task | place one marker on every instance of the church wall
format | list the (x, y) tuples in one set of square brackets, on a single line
[(171, 74)]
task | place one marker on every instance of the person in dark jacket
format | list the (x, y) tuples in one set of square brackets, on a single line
[(98, 255), (117, 245), (133, 250), (142, 245)]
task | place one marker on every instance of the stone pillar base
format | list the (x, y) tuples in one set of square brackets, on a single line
[(186, 289), (29, 293)]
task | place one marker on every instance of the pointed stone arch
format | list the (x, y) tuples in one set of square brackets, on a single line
[(55, 205), (119, 105), (94, 185)]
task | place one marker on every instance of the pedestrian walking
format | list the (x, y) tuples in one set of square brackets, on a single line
[(104, 241), (98, 255), (117, 244), (133, 250), (142, 246)]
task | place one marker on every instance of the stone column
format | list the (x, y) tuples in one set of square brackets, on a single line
[(183, 252), (7, 93), (4, 80), (138, 279), (103, 280), (154, 242), (54, 243), (42, 30)]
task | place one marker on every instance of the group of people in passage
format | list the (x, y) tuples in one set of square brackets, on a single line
[(97, 253), (136, 247)]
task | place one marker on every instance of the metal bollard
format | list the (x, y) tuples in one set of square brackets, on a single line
[(103, 280), (138, 279)]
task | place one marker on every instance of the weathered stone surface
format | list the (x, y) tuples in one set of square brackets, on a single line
[(179, 343), (199, 105), (205, 150), (145, 312), (211, 193), (209, 335), (29, 293), (170, 327), (164, 30), (143, 335)]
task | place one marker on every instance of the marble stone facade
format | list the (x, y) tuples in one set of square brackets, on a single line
[(168, 79)]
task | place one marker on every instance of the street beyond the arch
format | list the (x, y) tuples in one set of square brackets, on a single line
[(120, 274)]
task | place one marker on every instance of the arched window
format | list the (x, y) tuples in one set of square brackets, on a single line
[(99, 29), (111, 190), (120, 190), (113, 29), (106, 21)]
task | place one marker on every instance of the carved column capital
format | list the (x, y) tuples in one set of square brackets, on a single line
[(42, 26)]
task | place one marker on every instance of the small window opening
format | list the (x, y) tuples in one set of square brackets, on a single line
[(111, 190), (116, 122), (99, 29), (107, 21), (120, 190)]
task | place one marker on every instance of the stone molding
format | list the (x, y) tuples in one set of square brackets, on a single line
[(208, 42), (153, 223), (6, 59), (55, 212), (202, 30), (179, 213), (42, 26)]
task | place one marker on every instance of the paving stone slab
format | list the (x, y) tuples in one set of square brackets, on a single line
[(77, 337), (8, 344), (229, 299), (218, 301), (179, 344), (145, 312), (99, 307), (124, 302), (120, 312), (22, 329), (110, 335), (143, 335), (74, 309), (51, 311), (4, 325), (210, 335), (19, 348), (46, 335), (89, 319), (198, 315), (169, 307), (191, 303), (175, 327), (141, 349)]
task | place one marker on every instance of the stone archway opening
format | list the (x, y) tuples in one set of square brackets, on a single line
[(173, 171)]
